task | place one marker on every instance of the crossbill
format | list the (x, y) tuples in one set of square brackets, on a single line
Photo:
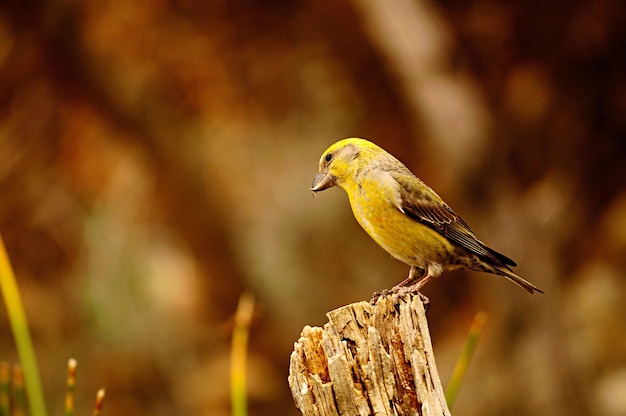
[(405, 216)]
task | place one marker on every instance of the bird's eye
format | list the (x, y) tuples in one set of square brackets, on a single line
[(329, 157)]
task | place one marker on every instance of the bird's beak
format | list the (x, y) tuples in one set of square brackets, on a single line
[(323, 180)]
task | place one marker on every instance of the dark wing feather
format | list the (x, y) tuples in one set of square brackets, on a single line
[(425, 206)]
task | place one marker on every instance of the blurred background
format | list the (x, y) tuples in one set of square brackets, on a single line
[(156, 156)]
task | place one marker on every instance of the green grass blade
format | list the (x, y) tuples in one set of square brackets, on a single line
[(23, 342), (239, 355), (460, 369)]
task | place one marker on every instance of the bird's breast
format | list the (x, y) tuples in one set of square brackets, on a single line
[(376, 208)]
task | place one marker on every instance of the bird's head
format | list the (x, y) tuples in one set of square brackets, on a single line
[(341, 162)]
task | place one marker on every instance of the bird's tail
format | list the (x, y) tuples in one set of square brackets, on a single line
[(509, 274), (498, 263)]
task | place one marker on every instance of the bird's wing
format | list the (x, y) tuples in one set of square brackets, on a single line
[(422, 204)]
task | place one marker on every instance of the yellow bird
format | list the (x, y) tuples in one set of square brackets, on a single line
[(405, 217)]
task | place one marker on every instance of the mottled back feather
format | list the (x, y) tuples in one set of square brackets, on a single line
[(426, 207)]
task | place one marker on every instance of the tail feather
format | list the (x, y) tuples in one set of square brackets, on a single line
[(509, 274), (500, 258), (499, 264)]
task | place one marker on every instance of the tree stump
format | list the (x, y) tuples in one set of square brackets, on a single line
[(368, 360)]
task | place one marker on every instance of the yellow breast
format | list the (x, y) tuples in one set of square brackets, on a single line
[(375, 202)]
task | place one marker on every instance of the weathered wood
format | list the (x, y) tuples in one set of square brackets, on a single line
[(368, 360)]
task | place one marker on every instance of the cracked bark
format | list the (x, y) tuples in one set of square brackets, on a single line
[(368, 360)]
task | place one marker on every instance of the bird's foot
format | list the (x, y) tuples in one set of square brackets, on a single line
[(411, 285), (400, 291), (378, 295), (412, 290)]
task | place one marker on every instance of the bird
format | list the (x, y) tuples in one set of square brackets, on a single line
[(406, 217)]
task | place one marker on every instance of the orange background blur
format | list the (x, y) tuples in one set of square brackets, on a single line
[(155, 160)]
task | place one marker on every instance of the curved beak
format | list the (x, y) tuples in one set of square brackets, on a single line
[(323, 180)]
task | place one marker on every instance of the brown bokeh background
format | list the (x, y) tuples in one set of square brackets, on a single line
[(155, 159)]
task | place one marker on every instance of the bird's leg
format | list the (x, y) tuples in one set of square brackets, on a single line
[(415, 287), (412, 284), (413, 279)]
